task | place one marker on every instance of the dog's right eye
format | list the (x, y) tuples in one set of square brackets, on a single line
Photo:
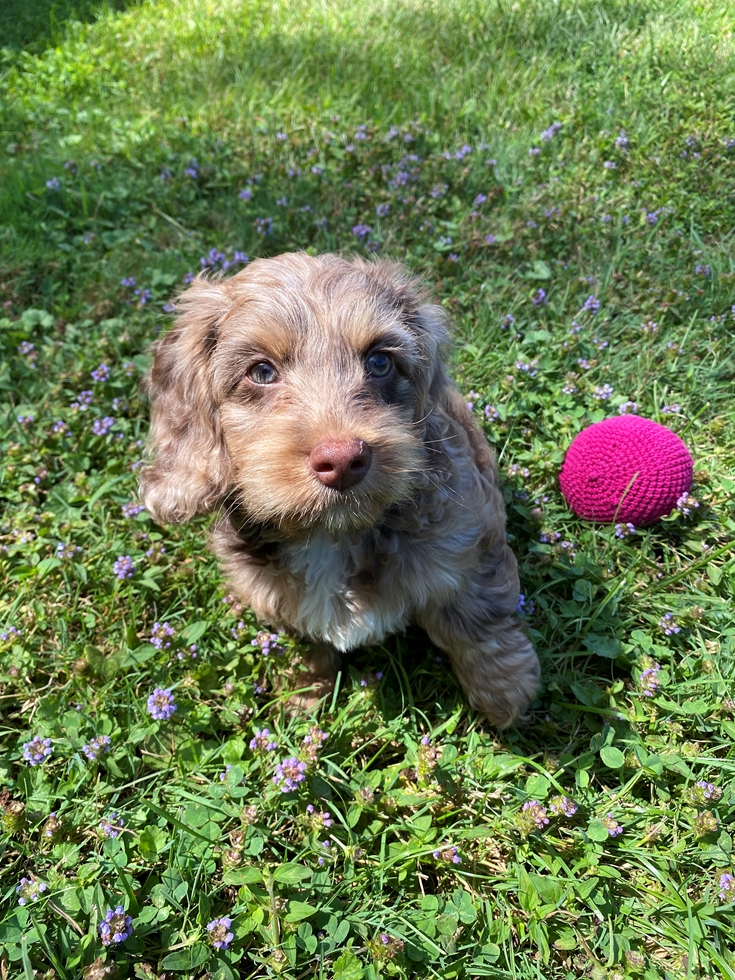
[(263, 373)]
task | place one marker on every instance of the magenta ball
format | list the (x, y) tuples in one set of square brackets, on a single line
[(622, 454)]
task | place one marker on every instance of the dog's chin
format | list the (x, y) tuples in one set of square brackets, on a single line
[(327, 511)]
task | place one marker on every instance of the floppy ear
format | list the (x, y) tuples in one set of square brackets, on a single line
[(190, 468), (407, 294)]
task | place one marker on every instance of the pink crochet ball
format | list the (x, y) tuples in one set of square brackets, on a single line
[(625, 469)]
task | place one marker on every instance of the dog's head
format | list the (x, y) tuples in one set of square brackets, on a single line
[(302, 385)]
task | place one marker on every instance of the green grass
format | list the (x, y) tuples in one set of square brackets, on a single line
[(107, 110)]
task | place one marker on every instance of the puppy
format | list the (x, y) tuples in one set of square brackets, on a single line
[(307, 399)]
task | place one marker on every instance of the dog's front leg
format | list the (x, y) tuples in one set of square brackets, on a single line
[(313, 678), (492, 657)]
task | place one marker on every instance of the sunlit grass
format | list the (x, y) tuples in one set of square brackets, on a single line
[(432, 125)]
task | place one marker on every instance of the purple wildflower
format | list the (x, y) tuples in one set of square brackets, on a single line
[(530, 368), (312, 742), (624, 530), (37, 750), (98, 746), (548, 134), (262, 741), (562, 806), (129, 282), (649, 681), (161, 704), (101, 373), (289, 774), (132, 509), (361, 231), (124, 567), (382, 209), (704, 792), (219, 935), (101, 427), (30, 890), (268, 642), (611, 825), (524, 606), (111, 827), (685, 503), (727, 887), (67, 552), (591, 304), (539, 297), (116, 927), (535, 812), (668, 624), (318, 821), (449, 855), (602, 392), (161, 635)]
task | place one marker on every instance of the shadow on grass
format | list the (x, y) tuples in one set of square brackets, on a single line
[(32, 25)]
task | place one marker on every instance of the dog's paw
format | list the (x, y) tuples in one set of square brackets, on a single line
[(308, 695), (501, 677)]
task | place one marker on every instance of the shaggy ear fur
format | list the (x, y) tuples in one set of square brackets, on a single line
[(428, 320), (190, 468)]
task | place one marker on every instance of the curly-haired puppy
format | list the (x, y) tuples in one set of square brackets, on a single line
[(307, 398)]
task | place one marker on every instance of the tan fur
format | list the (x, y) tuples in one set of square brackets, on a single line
[(420, 537)]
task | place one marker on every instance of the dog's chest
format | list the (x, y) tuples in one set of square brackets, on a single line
[(337, 596)]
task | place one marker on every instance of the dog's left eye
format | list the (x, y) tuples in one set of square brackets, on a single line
[(263, 373), (379, 364)]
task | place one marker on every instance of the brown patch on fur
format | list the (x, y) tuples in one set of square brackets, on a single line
[(421, 536)]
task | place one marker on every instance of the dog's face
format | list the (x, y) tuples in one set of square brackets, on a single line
[(303, 386)]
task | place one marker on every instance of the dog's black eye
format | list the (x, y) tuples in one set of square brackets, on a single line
[(379, 364), (263, 373)]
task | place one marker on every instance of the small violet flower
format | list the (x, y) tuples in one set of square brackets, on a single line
[(161, 705), (116, 927), (289, 774), (668, 624), (37, 750), (219, 935), (30, 890), (727, 887), (262, 741), (611, 825), (110, 827), (124, 567), (161, 635), (99, 745)]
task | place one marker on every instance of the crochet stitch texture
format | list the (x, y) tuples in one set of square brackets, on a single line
[(625, 469)]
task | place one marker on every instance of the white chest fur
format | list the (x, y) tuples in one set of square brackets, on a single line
[(332, 604)]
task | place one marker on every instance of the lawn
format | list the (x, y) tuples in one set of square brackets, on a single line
[(562, 174)]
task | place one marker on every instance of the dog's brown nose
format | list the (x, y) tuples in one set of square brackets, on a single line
[(340, 463)]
